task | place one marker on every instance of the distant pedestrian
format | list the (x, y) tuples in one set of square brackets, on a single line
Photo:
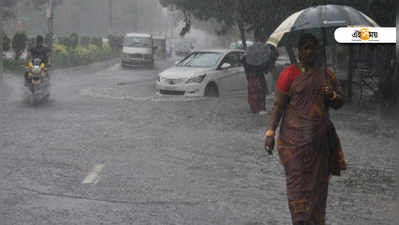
[(257, 61), (308, 145)]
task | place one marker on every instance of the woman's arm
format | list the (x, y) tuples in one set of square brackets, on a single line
[(280, 103), (337, 99), (279, 106), (281, 99)]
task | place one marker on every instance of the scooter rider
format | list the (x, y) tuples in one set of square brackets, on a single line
[(39, 51)]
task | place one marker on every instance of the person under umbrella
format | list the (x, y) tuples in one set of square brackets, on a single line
[(308, 145), (258, 59)]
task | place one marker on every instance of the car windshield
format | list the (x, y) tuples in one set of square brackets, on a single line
[(138, 42), (201, 59)]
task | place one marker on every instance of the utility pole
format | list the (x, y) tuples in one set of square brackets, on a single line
[(1, 52), (110, 16), (50, 17)]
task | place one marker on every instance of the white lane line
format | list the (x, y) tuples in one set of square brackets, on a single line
[(92, 177)]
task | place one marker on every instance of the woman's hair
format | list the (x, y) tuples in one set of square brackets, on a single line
[(305, 37)]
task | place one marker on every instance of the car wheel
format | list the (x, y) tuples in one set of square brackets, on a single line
[(211, 90)]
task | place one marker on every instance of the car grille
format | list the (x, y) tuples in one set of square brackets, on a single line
[(173, 81), (167, 92), (136, 56)]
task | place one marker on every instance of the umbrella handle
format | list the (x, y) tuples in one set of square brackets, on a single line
[(324, 54)]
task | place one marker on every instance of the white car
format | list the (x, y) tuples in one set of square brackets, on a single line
[(204, 73)]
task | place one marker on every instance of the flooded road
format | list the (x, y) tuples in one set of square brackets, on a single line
[(108, 150)]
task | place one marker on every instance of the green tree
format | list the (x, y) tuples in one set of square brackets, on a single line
[(6, 42), (85, 41), (19, 44), (256, 16), (74, 38)]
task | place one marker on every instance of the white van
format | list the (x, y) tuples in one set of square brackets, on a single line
[(138, 50)]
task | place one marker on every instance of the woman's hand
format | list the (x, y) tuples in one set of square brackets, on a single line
[(269, 144), (327, 91)]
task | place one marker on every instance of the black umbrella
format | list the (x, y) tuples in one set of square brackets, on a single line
[(259, 54), (321, 21)]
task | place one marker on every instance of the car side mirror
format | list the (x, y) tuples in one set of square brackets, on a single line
[(225, 66)]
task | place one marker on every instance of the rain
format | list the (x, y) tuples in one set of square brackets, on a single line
[(161, 112)]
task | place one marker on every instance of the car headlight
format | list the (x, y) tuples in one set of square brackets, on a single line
[(196, 79)]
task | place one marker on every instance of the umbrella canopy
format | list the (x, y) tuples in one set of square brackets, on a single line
[(259, 54), (314, 20)]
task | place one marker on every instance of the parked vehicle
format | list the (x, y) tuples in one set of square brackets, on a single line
[(138, 50), (204, 73)]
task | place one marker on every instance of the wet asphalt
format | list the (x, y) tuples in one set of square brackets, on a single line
[(106, 149)]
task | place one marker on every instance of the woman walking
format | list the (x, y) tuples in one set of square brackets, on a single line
[(308, 146), (258, 60), (256, 90)]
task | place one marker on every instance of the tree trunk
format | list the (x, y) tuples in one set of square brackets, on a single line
[(259, 35), (1, 53), (243, 35)]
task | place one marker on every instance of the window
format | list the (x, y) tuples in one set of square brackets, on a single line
[(234, 59)]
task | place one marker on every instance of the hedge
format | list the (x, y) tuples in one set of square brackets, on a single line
[(62, 56), (69, 51), (6, 42), (19, 43)]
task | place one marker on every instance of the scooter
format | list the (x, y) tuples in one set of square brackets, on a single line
[(37, 82)]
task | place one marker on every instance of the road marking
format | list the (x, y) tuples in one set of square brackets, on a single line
[(92, 177)]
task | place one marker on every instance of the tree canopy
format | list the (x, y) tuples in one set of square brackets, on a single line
[(261, 17)]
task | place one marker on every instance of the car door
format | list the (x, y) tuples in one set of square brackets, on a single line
[(229, 78), (239, 74)]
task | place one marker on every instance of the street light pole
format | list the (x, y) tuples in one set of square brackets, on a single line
[(110, 16), (50, 17), (1, 52)]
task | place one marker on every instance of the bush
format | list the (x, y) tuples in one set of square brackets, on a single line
[(6, 43), (60, 55), (63, 56), (66, 41), (97, 41), (60, 49), (107, 50), (14, 65), (47, 39), (19, 44), (84, 41), (115, 42), (74, 39), (80, 56)]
